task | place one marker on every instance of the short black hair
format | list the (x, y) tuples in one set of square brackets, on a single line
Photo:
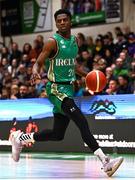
[(62, 11)]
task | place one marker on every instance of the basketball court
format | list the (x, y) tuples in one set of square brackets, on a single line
[(52, 166)]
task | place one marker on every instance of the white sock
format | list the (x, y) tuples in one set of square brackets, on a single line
[(99, 153), (27, 138)]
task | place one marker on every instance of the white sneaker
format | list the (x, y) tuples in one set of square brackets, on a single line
[(110, 166), (16, 145)]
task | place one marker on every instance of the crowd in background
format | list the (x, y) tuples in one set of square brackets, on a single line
[(112, 53)]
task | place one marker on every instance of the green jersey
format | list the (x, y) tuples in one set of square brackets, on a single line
[(62, 65)]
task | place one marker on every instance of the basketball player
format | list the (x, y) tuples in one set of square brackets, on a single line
[(61, 51)]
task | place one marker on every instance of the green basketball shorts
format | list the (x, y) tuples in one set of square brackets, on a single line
[(57, 92)]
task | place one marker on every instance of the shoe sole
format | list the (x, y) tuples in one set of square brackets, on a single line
[(15, 159), (110, 173)]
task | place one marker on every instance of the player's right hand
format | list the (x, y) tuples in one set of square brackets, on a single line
[(35, 78), (91, 92)]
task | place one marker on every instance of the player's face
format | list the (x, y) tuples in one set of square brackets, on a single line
[(63, 23)]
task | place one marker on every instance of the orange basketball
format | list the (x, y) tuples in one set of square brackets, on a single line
[(95, 81)]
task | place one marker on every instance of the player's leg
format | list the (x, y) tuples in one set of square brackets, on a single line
[(70, 108), (18, 138), (61, 122), (57, 133)]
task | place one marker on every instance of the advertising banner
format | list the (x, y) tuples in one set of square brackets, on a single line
[(111, 119), (36, 16), (118, 107), (93, 12), (112, 135)]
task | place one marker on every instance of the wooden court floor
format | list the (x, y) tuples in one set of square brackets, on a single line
[(60, 166)]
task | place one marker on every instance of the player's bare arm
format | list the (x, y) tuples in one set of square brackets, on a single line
[(48, 49)]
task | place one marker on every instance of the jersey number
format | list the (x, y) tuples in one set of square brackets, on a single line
[(70, 72)]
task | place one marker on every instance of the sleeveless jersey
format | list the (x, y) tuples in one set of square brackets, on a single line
[(61, 68)]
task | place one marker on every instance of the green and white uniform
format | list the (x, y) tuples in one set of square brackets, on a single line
[(61, 71)]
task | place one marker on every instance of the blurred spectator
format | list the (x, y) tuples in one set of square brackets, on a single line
[(95, 61), (109, 74), (5, 94), (7, 78), (108, 44), (126, 59), (1, 74), (124, 85), (86, 61), (12, 69), (5, 53), (88, 6), (90, 45), (25, 60), (119, 68), (8, 84), (112, 87), (78, 7), (131, 45), (101, 65), (70, 6), (32, 92), (14, 91), (121, 41), (40, 40), (15, 53), (43, 94), (15, 81), (117, 30), (23, 92), (132, 73), (110, 34), (28, 74), (108, 57), (98, 5), (36, 49), (81, 42), (4, 64), (21, 73), (26, 48), (99, 46), (126, 31)]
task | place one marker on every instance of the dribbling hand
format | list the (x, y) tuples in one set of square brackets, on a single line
[(91, 92), (35, 78)]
